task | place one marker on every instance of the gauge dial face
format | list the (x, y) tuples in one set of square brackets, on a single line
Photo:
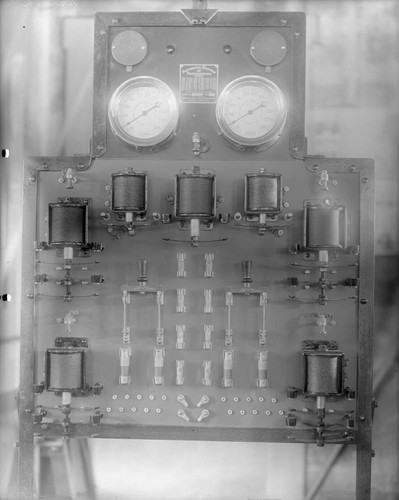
[(143, 111), (251, 111)]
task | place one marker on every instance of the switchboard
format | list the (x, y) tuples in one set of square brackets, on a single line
[(198, 275)]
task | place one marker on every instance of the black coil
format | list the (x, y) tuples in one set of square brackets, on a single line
[(322, 227), (65, 371), (129, 192), (323, 374), (67, 224), (263, 193), (195, 196)]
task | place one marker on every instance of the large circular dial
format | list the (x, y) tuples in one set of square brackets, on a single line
[(143, 111), (251, 111)]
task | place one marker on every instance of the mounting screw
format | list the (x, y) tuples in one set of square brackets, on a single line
[(45, 166), (362, 418), (363, 301)]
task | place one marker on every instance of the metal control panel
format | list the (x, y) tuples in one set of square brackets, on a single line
[(198, 276), (155, 93)]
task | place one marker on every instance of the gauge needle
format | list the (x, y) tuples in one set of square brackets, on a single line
[(249, 112), (143, 113)]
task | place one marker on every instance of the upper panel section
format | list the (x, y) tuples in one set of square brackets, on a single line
[(199, 84)]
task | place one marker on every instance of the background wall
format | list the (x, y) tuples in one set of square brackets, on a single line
[(352, 110)]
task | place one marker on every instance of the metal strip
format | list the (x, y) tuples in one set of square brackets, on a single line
[(98, 143), (365, 332), (298, 144), (170, 433), (25, 394), (248, 18), (315, 164), (57, 163)]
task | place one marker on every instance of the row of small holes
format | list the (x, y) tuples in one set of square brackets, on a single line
[(224, 399), (151, 397), (229, 412)]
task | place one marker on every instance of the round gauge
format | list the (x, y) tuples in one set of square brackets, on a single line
[(129, 47), (268, 48), (251, 111), (143, 112)]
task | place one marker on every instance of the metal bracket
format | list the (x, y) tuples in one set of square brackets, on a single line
[(71, 342), (199, 16)]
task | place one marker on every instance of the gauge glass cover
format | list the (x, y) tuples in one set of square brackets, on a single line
[(143, 112), (251, 111), (129, 47)]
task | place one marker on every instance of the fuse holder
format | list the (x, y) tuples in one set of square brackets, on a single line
[(208, 329), (207, 380), (262, 381), (159, 355), (227, 380), (179, 372), (124, 356)]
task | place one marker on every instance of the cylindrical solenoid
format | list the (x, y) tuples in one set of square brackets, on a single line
[(129, 192), (323, 373), (195, 195), (65, 370), (262, 193), (67, 224), (325, 227)]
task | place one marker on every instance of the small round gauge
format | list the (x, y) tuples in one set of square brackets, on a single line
[(144, 112), (129, 47), (268, 48), (251, 111)]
